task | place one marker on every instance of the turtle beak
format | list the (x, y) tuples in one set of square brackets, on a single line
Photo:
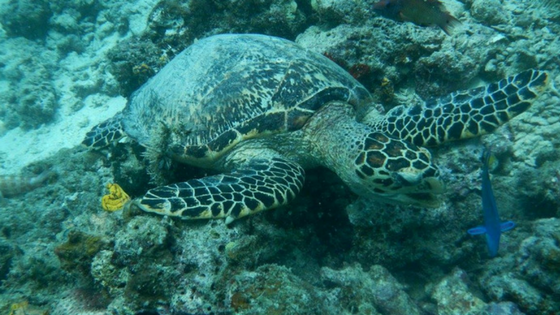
[(415, 181), (434, 185), (405, 179)]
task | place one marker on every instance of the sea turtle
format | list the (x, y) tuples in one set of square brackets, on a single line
[(261, 109)]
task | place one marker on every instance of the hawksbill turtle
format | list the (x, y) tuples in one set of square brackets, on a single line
[(261, 109)]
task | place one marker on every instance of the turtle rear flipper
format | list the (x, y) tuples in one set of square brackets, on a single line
[(463, 114), (259, 185), (106, 133)]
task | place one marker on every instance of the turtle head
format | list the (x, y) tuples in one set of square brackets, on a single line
[(371, 163), (395, 171), (392, 170)]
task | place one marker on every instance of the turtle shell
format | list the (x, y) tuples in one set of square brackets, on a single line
[(228, 88)]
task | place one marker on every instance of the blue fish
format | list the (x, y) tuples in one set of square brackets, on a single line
[(492, 227)]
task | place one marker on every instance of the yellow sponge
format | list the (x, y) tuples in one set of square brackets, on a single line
[(116, 199)]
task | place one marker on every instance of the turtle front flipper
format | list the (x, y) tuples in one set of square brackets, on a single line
[(259, 185), (107, 132), (463, 114)]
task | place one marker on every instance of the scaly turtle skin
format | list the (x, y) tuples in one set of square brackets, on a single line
[(261, 109)]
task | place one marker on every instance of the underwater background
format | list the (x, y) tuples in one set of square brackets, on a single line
[(66, 66)]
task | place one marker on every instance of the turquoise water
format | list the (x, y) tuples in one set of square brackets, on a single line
[(338, 247)]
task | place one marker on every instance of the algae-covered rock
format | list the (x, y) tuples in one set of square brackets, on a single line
[(134, 62), (27, 18), (369, 292), (508, 286), (142, 237), (81, 301), (174, 25), (7, 253), (454, 296), (333, 12), (539, 260), (490, 12), (105, 274), (31, 98), (527, 276), (78, 252), (272, 289)]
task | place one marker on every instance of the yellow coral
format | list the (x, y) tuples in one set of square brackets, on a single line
[(23, 308), (387, 90), (116, 199), (385, 82), (142, 69), (18, 308)]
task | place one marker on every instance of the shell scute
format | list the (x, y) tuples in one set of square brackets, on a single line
[(228, 88)]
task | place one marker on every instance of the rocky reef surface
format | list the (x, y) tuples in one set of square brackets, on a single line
[(68, 65)]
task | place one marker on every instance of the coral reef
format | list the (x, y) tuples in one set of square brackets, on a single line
[(31, 98), (455, 295), (29, 19), (78, 252), (6, 259), (64, 63), (489, 12), (12, 185), (173, 25), (366, 292), (530, 280)]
